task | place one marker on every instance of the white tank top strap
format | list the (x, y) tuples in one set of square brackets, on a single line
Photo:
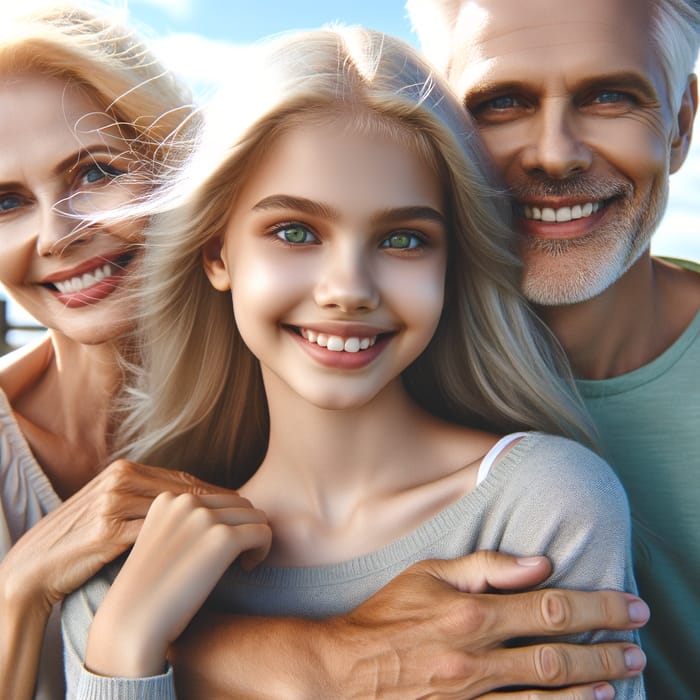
[(494, 453)]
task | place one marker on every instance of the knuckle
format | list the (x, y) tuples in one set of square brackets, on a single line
[(556, 610), (471, 616), (119, 473), (551, 665), (453, 669)]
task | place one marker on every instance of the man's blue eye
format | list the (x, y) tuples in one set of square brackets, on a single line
[(503, 102), (610, 97)]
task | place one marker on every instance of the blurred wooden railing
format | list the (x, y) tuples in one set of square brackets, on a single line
[(6, 327)]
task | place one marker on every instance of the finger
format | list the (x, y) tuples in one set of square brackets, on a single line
[(595, 691), (555, 665), (557, 611), (486, 570), (254, 542)]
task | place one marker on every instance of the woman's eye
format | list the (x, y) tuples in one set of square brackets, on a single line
[(402, 240), (8, 202), (295, 233), (98, 172)]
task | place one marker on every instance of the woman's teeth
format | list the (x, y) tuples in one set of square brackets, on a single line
[(336, 343), (550, 215), (80, 282)]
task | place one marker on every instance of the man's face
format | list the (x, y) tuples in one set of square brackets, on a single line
[(571, 102)]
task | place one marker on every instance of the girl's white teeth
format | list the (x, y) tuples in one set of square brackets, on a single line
[(80, 282), (336, 343), (550, 215)]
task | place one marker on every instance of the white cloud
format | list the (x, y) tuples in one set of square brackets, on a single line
[(204, 63)]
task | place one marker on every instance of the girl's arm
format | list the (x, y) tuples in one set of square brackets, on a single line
[(65, 549), (185, 545)]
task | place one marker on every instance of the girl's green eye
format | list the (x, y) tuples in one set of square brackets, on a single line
[(295, 233), (401, 241)]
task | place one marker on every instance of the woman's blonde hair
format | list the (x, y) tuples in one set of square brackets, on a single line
[(200, 403), (88, 45)]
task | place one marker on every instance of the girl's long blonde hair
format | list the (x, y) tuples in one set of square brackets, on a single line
[(199, 403)]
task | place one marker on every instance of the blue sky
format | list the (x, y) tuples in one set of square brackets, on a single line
[(198, 38)]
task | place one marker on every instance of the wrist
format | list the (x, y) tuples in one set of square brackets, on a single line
[(119, 648), (20, 600)]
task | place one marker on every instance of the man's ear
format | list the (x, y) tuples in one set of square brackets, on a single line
[(686, 114), (214, 266)]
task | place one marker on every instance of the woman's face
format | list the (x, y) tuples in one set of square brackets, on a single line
[(62, 156)]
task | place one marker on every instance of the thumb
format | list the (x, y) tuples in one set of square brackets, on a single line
[(485, 570)]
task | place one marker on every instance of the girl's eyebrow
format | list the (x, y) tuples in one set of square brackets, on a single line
[(319, 209), (301, 204)]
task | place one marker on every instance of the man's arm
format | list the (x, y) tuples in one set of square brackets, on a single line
[(434, 631)]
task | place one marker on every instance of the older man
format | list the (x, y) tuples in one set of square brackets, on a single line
[(586, 109)]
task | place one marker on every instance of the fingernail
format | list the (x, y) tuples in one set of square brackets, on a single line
[(638, 611), (604, 692), (530, 561), (634, 659)]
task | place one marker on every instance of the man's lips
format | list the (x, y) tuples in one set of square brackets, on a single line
[(560, 222), (550, 214)]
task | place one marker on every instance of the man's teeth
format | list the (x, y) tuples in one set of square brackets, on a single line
[(336, 343), (80, 282), (550, 215)]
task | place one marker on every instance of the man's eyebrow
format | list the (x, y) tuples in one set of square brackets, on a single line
[(622, 81), (627, 80), (487, 89)]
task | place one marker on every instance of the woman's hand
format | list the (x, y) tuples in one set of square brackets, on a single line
[(93, 527), (66, 548), (185, 545)]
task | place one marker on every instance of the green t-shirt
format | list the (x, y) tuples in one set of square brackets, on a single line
[(649, 426)]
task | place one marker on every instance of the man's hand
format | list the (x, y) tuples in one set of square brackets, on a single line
[(436, 631)]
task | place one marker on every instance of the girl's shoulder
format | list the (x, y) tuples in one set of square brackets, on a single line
[(558, 468)]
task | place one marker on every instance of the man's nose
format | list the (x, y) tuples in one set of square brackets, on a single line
[(557, 149)]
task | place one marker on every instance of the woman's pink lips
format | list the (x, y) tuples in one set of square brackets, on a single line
[(93, 294)]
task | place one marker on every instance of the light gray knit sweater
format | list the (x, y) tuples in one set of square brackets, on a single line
[(547, 495)]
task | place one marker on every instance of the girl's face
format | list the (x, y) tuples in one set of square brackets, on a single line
[(60, 155), (335, 255)]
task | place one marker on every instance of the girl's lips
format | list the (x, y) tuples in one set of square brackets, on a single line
[(337, 357)]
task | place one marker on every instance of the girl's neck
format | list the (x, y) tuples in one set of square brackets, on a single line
[(336, 484)]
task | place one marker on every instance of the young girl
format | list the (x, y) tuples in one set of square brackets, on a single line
[(333, 324)]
